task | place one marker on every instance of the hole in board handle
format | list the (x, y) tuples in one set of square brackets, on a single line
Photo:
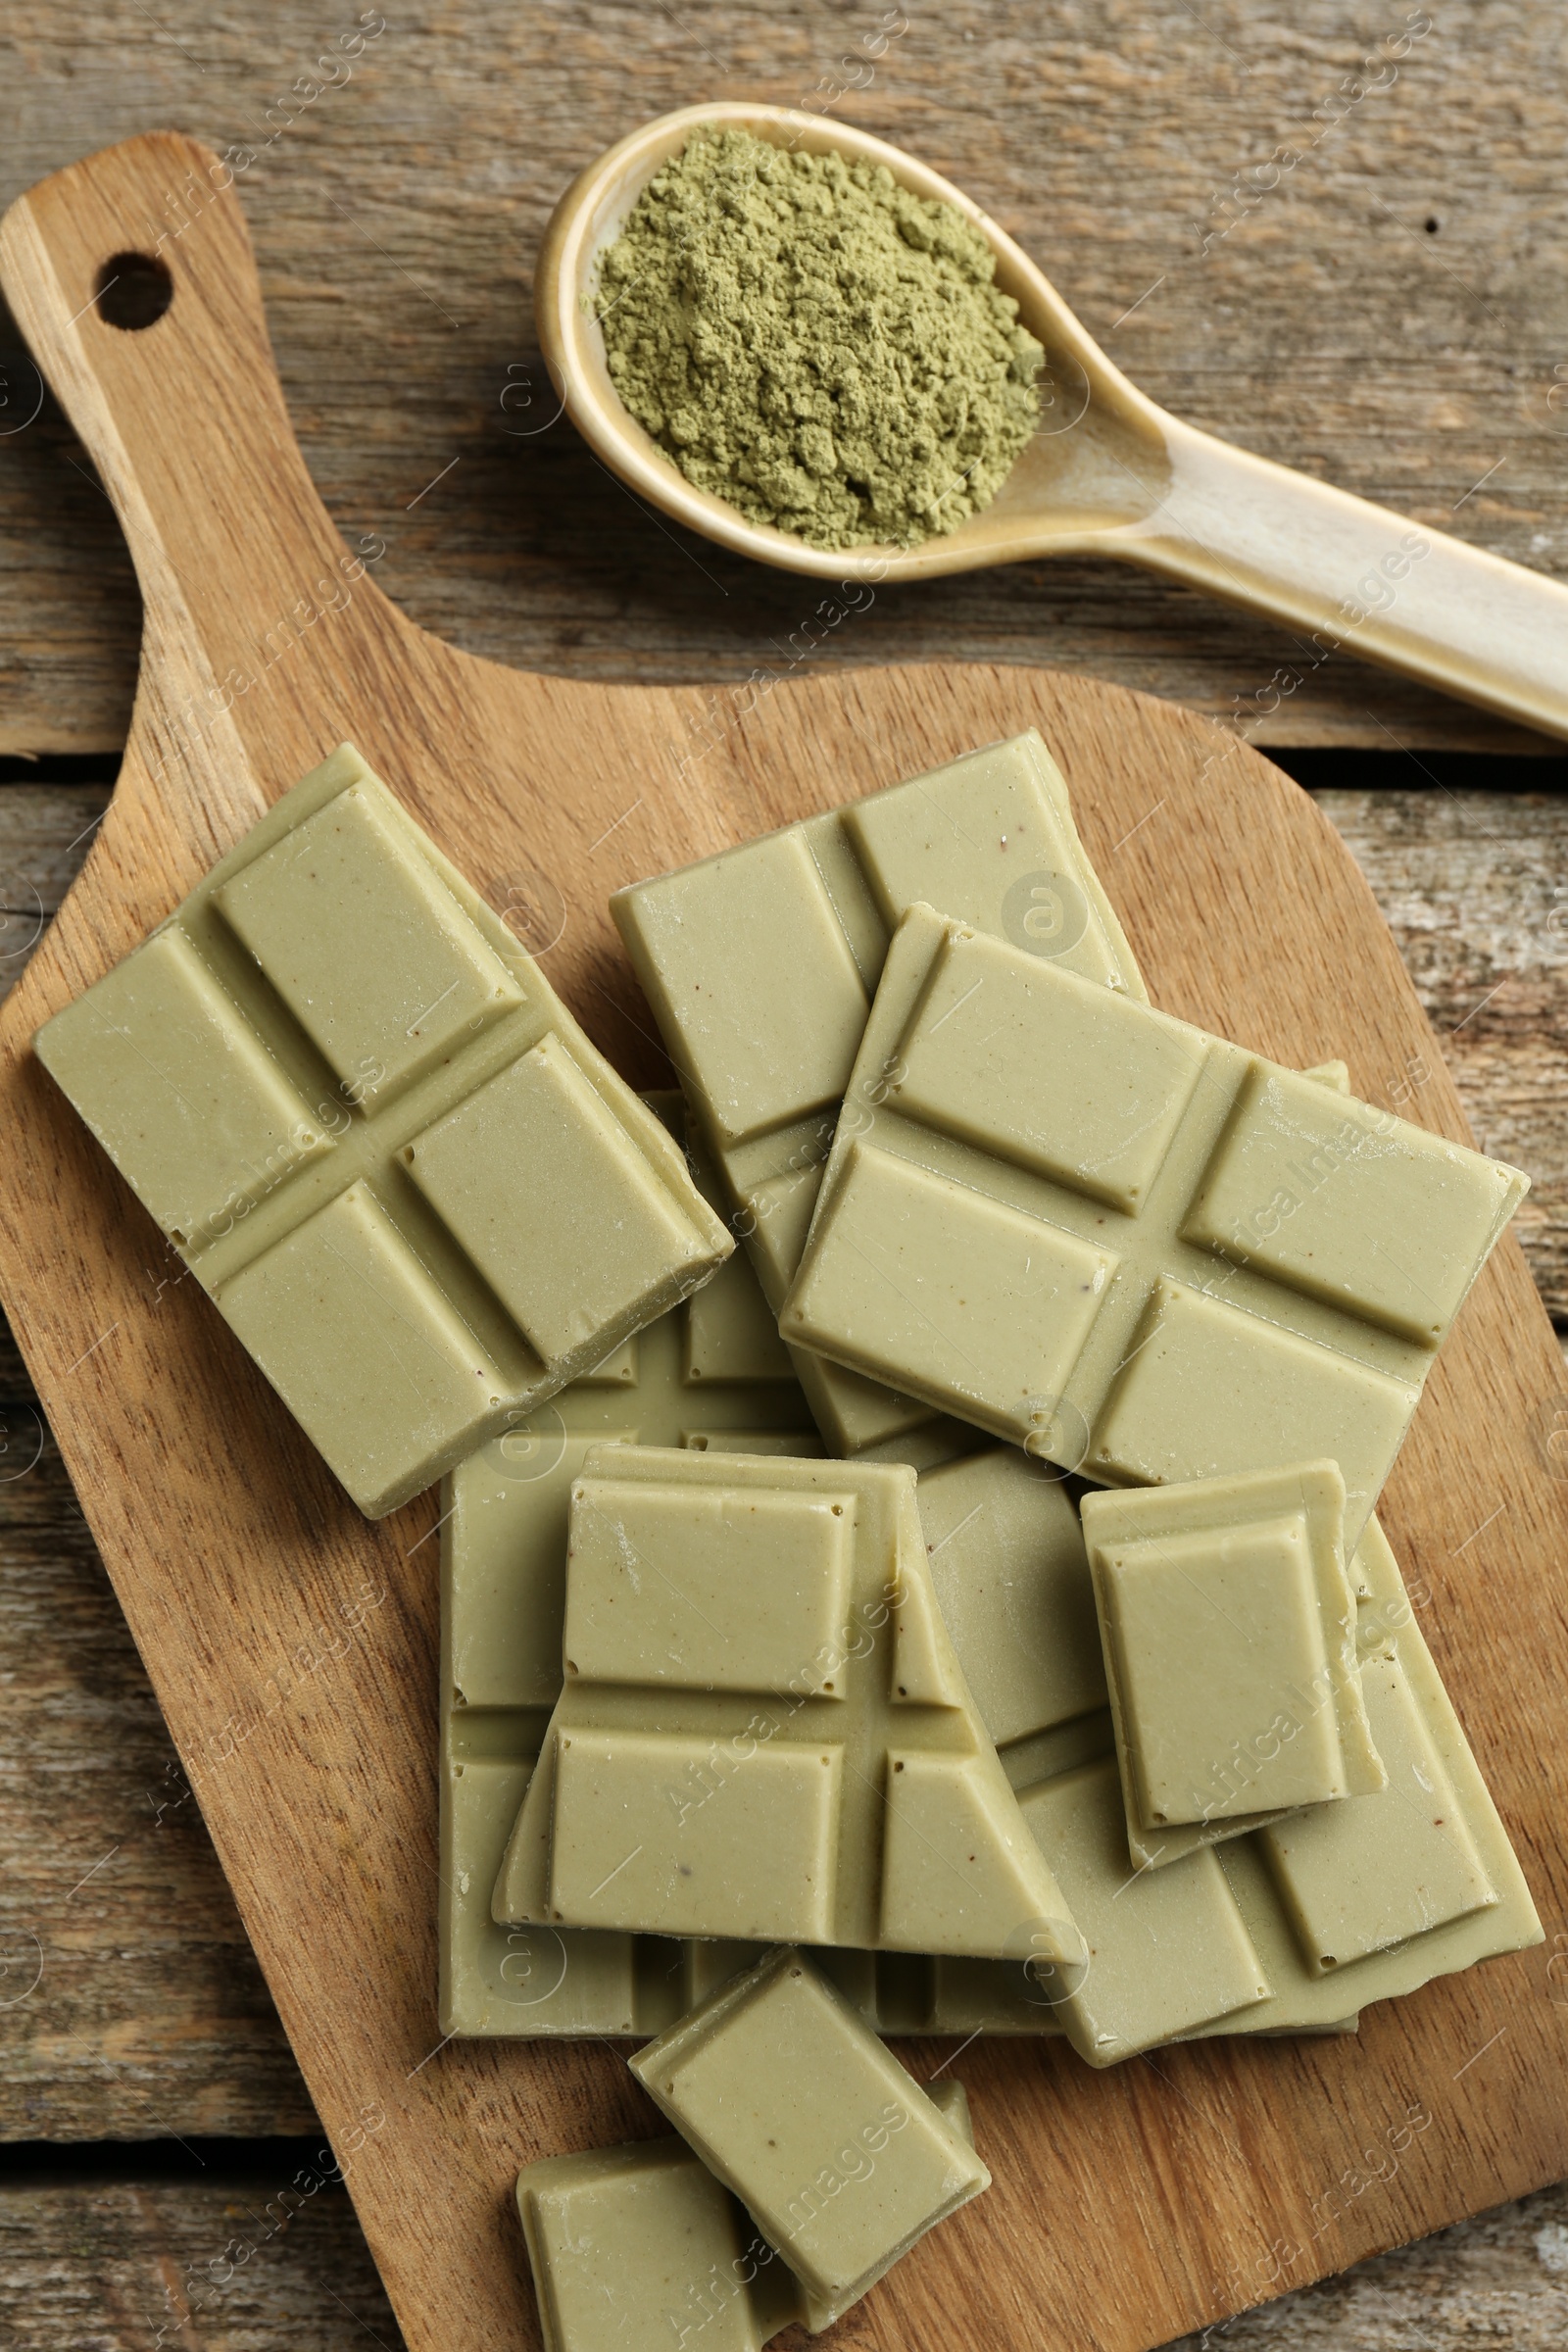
[(133, 291)]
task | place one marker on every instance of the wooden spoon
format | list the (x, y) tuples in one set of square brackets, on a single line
[(1107, 473)]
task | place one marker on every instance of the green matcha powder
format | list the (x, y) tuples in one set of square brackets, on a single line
[(809, 341)]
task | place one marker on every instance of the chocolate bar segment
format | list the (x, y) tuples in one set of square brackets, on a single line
[(1229, 1628), (830, 2144)]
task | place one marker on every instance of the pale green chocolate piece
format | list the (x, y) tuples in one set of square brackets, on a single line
[(759, 965), (353, 1104), (1229, 1628), (1353, 1878), (830, 2144), (848, 1796), (1167, 1951), (224, 1127), (710, 1373), (1008, 1560), (1302, 1192), (1018, 1223), (543, 1116), (643, 2243), (1395, 1900), (1333, 1074), (360, 937)]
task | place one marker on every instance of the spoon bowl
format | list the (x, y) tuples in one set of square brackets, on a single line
[(1081, 475), (1107, 473)]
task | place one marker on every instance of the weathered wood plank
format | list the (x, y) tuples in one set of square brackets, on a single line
[(272, 2260), (1379, 310), (45, 833), (102, 2266), (1475, 886), (130, 2002)]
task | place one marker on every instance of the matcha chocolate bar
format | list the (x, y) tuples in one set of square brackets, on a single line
[(1127, 1246), (1288, 1930), (759, 965), (357, 1110), (1372, 1898), (765, 1733)]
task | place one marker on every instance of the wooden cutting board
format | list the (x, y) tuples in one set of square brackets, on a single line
[(294, 1647)]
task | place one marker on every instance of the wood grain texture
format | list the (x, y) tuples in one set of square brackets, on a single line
[(1501, 2279), (131, 2006), (44, 834), (227, 1543), (101, 2265), (269, 2261), (1474, 886), (398, 216)]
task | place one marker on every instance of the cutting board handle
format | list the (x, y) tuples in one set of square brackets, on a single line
[(184, 420)]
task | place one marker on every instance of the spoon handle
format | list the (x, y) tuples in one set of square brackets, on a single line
[(1350, 576)]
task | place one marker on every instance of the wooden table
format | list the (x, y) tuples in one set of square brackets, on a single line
[(1391, 312)]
